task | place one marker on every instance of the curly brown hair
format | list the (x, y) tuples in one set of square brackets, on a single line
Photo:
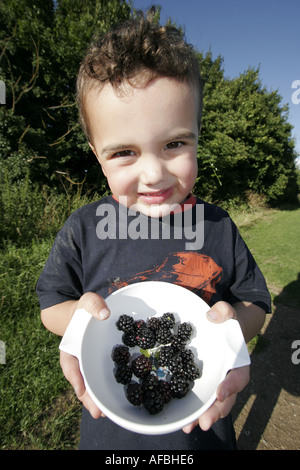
[(136, 48)]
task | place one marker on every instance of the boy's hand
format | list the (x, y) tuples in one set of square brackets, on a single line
[(235, 381), (95, 305), (70, 368)]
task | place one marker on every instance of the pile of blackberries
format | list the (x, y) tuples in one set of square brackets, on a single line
[(162, 349)]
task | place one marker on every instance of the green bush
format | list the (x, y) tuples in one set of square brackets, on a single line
[(31, 212)]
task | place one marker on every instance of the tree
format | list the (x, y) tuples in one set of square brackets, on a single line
[(245, 144), (21, 39), (41, 46)]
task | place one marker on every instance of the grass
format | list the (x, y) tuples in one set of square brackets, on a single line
[(38, 408), (33, 415), (273, 240)]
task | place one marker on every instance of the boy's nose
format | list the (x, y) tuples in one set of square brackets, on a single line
[(153, 170)]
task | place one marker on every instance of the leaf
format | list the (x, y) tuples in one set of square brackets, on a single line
[(145, 352)]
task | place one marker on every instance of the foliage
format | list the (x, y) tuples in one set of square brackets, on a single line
[(31, 212), (41, 46), (245, 144), (245, 147)]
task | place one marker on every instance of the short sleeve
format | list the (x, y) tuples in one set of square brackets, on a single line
[(61, 278)]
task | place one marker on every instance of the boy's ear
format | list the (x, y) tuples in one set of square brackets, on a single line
[(96, 155)]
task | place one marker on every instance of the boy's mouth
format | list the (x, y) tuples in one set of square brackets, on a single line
[(156, 197)]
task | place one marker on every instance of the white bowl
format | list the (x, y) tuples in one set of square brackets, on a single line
[(217, 349)]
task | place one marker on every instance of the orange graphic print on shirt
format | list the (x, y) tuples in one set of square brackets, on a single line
[(196, 272)]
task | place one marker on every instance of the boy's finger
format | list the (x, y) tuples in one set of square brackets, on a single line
[(227, 391), (235, 381), (215, 412), (221, 311), (189, 427), (95, 305), (71, 370), (90, 405)]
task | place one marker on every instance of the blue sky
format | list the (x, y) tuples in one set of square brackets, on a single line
[(246, 33)]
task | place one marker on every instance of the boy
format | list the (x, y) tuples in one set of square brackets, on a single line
[(140, 102)]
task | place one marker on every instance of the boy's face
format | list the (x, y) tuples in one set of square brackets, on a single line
[(146, 142)]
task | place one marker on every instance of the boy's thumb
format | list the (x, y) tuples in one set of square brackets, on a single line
[(95, 305), (213, 315), (221, 311)]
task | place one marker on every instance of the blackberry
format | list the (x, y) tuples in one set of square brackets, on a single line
[(165, 354), (145, 338), (164, 388), (164, 335), (191, 371), (179, 385), (134, 394), (139, 324), (125, 323), (150, 382), (153, 323), (175, 364), (121, 354), (178, 343), (153, 401), (168, 319), (187, 356), (170, 353), (123, 374), (141, 366), (185, 331), (128, 339)]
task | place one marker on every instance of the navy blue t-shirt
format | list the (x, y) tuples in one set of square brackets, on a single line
[(104, 246)]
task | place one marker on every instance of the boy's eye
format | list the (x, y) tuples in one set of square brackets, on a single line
[(124, 153), (174, 145)]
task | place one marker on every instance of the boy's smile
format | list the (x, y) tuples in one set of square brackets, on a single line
[(145, 140)]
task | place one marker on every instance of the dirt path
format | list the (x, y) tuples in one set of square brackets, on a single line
[(267, 413)]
